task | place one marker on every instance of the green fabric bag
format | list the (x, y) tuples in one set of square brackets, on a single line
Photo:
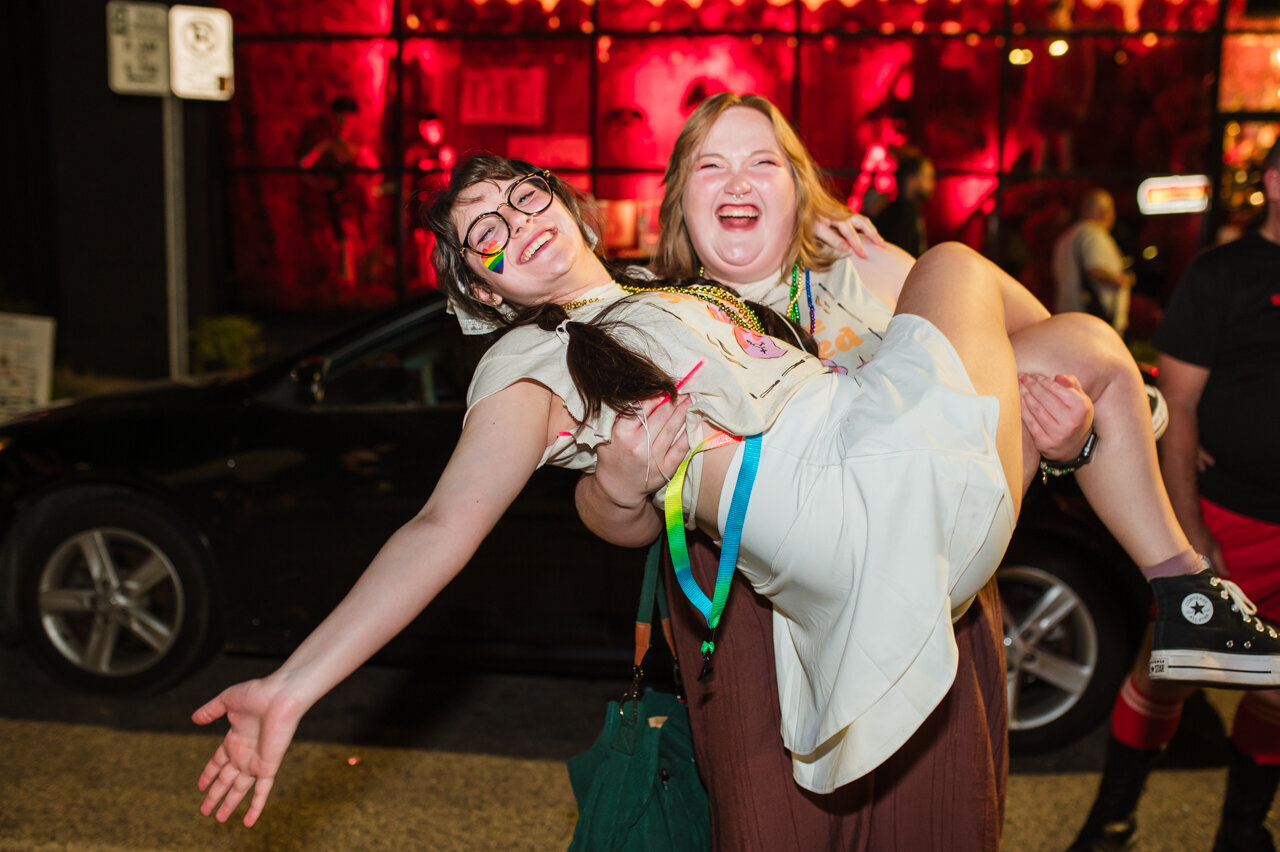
[(637, 786)]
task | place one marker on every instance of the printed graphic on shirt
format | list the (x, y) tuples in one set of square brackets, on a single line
[(842, 330), (757, 345)]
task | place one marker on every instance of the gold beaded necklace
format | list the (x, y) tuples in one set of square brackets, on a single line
[(712, 294), (578, 303)]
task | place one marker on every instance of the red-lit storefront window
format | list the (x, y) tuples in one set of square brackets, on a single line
[(346, 109)]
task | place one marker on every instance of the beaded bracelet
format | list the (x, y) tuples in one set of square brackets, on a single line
[(1054, 468)]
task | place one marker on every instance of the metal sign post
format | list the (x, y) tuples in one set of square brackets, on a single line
[(183, 52)]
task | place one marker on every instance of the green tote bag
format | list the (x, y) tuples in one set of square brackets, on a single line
[(637, 786)]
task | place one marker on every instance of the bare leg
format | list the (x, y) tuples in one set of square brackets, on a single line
[(1205, 629), (974, 304), (1122, 482), (953, 288)]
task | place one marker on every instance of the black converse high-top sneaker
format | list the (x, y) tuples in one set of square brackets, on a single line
[(1207, 631)]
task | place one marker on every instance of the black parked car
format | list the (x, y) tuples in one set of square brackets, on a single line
[(141, 531)]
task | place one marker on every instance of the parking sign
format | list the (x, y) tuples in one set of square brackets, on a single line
[(201, 65), (137, 48)]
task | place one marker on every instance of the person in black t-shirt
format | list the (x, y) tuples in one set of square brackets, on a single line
[(1219, 366)]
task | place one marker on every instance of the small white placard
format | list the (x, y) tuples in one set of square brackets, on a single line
[(201, 64), (1174, 194), (26, 363), (138, 48)]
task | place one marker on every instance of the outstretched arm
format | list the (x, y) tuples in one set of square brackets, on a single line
[(501, 444)]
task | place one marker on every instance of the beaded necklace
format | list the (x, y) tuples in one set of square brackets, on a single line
[(793, 302), (712, 294), (578, 303)]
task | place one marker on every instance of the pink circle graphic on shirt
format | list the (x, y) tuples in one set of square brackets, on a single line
[(757, 345)]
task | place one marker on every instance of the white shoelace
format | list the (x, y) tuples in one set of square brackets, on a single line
[(1240, 603)]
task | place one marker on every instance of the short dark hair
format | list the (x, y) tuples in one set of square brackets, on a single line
[(910, 164)]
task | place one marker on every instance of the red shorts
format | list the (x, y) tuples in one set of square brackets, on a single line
[(1251, 554)]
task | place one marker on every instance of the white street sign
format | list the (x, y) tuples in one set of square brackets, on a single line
[(137, 48), (201, 62)]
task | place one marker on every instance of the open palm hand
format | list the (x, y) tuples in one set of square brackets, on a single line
[(263, 720)]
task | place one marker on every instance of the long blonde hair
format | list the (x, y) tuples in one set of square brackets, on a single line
[(675, 255)]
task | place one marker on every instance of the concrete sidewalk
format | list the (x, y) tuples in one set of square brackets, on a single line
[(82, 788), (399, 759)]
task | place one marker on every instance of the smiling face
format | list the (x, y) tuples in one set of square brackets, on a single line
[(740, 200), (546, 258)]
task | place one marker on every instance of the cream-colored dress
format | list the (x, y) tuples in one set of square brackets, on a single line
[(879, 500)]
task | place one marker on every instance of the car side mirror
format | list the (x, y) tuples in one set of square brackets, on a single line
[(308, 380)]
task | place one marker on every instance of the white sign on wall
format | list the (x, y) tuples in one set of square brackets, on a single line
[(26, 363), (201, 64), (138, 48), (1174, 194)]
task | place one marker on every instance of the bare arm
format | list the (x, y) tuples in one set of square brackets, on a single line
[(845, 235), (500, 447), (1182, 385), (1119, 280)]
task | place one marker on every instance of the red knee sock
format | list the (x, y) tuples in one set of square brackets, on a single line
[(1256, 730), (1141, 722)]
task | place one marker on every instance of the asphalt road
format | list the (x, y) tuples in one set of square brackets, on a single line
[(408, 759)]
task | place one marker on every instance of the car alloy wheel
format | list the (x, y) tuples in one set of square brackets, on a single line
[(115, 591), (110, 602), (1067, 645), (1051, 646)]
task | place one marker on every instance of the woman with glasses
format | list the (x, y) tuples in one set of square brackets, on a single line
[(831, 464)]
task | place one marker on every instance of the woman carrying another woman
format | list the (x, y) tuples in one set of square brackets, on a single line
[(744, 204), (892, 491)]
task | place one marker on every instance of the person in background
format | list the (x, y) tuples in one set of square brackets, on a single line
[(901, 222), (1219, 366), (1089, 271)]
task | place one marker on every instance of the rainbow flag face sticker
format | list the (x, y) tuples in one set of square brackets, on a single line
[(495, 262)]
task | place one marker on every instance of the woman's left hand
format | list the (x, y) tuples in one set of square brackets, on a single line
[(1057, 413), (845, 235), (263, 720)]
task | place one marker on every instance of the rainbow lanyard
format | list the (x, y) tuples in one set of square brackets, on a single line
[(673, 506)]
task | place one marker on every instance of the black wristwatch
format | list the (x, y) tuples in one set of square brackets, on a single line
[(1062, 468)]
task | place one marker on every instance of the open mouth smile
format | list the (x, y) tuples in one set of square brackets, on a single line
[(538, 242), (737, 215)]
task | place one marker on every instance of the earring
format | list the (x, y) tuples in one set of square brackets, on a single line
[(484, 294)]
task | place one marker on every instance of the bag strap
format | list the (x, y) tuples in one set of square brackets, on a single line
[(651, 590)]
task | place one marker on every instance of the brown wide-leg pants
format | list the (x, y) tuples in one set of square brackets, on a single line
[(943, 790)]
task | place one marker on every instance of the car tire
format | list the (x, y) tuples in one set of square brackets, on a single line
[(1068, 645), (115, 592)]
